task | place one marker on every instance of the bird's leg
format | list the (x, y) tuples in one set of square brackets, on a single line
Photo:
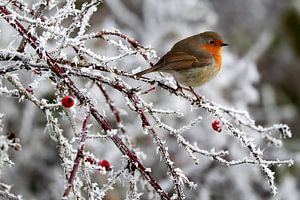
[(198, 97), (179, 88)]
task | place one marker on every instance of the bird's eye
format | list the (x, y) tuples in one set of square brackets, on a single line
[(211, 42)]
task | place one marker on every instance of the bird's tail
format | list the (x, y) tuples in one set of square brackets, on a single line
[(146, 71)]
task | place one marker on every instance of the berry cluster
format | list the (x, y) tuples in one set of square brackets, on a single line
[(102, 163)]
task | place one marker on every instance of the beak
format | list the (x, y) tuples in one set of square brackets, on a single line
[(224, 44)]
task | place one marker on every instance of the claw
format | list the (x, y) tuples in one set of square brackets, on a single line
[(198, 97), (179, 88)]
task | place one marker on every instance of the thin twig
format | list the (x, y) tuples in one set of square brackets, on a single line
[(79, 156), (60, 72)]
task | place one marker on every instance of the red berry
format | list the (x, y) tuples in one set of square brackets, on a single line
[(90, 160), (216, 125), (67, 101), (29, 89), (105, 164)]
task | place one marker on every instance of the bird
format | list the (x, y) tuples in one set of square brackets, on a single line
[(192, 61)]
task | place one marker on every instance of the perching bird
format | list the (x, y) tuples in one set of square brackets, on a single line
[(192, 61)]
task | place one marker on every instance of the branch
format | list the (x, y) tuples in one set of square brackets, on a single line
[(79, 156), (43, 54)]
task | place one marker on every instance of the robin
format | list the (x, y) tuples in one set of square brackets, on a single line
[(192, 61)]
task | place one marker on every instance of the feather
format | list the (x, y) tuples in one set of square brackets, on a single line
[(177, 61)]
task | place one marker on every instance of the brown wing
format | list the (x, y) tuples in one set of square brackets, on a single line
[(180, 60), (177, 61)]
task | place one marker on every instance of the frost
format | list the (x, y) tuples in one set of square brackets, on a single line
[(136, 70), (75, 60), (112, 132), (53, 4), (35, 84), (148, 170), (159, 139)]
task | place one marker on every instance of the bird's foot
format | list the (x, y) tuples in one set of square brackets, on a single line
[(198, 97), (181, 88)]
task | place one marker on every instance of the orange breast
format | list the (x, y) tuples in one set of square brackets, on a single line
[(216, 52)]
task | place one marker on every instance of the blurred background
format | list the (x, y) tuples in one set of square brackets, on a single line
[(260, 73)]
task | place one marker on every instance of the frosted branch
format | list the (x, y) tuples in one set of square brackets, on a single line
[(59, 55)]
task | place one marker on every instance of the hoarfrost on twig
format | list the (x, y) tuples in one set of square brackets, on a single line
[(120, 93)]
